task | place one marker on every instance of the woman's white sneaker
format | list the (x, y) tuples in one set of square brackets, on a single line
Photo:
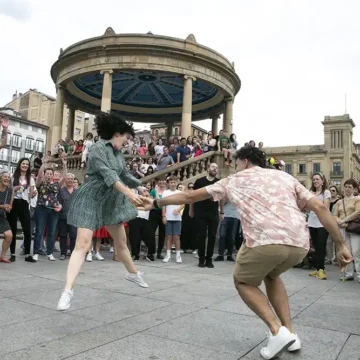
[(97, 256), (278, 343), (167, 259), (36, 257), (65, 300), (178, 259), (296, 345), (51, 257), (137, 279), (89, 257)]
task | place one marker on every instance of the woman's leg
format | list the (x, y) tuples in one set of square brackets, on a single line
[(6, 243), (117, 232), (12, 218), (83, 242), (24, 217), (52, 227), (322, 236), (355, 247)]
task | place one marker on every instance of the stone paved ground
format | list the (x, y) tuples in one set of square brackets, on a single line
[(186, 313)]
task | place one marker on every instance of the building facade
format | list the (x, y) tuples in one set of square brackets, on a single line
[(25, 139), (40, 108), (338, 158), (162, 130)]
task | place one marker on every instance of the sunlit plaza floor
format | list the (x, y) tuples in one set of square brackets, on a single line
[(186, 313)]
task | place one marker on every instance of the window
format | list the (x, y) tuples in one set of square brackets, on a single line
[(17, 124), (29, 145), (288, 168), (8, 139), (4, 153), (28, 155), (29, 127), (15, 156), (12, 169), (302, 168), (77, 131), (336, 168), (40, 130), (337, 183), (79, 119), (176, 131), (39, 146), (16, 140), (316, 168)]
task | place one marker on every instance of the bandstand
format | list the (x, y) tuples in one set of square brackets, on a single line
[(144, 78)]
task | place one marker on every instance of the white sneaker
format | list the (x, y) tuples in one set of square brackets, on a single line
[(65, 300), (36, 257), (178, 259), (89, 257), (278, 343), (167, 259), (51, 257), (137, 278), (97, 256), (111, 249), (296, 345), (194, 252)]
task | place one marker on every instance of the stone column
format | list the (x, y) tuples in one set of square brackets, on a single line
[(187, 107), (71, 123), (107, 90), (59, 113), (215, 125), (169, 125), (228, 116)]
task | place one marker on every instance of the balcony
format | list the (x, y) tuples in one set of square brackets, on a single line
[(336, 174)]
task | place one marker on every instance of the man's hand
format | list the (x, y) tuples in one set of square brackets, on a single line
[(221, 217), (164, 220), (343, 256), (176, 212), (147, 202)]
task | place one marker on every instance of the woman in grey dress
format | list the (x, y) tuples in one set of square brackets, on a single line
[(105, 199)]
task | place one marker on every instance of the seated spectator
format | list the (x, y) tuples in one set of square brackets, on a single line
[(150, 162), (142, 149), (149, 171), (164, 160), (71, 148), (80, 147), (224, 146), (151, 146), (136, 172), (189, 141), (204, 146), (211, 141)]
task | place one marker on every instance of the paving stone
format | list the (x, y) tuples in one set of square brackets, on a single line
[(351, 350), (220, 331)]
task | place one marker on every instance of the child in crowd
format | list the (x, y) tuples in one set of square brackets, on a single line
[(172, 220), (224, 145)]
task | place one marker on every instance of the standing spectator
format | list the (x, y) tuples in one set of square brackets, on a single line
[(224, 146), (183, 151), (140, 229), (164, 160), (188, 230), (234, 142), (149, 171), (211, 141), (142, 149), (151, 146), (79, 148), (206, 218), (171, 216), (197, 150), (228, 228), (176, 141), (156, 217), (71, 148), (6, 200), (87, 146), (261, 145), (24, 190), (252, 143), (159, 147), (318, 233), (4, 122), (172, 152), (65, 229), (38, 161)]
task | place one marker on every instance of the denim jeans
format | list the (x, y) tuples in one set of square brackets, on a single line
[(228, 229), (45, 217)]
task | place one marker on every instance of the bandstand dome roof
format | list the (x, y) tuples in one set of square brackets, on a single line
[(147, 76)]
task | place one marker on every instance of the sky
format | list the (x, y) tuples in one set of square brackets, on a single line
[(296, 58)]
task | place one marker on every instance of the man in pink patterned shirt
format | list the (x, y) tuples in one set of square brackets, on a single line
[(270, 203)]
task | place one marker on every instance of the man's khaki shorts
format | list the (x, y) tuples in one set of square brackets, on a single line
[(254, 264)]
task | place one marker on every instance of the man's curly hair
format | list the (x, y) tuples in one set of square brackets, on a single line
[(253, 154)]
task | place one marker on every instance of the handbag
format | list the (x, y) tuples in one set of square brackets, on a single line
[(354, 225)]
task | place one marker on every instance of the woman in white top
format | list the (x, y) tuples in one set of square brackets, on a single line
[(24, 191), (88, 143), (159, 147), (318, 233)]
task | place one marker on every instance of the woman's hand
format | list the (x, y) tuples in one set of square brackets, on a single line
[(164, 220), (8, 208), (135, 199), (17, 188), (58, 208)]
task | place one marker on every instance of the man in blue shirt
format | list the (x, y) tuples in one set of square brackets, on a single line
[(183, 151)]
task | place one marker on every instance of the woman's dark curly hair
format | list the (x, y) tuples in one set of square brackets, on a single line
[(253, 154), (108, 124)]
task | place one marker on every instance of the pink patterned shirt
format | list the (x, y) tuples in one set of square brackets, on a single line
[(270, 204)]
